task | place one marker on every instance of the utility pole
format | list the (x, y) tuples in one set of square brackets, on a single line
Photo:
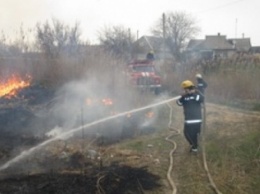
[(164, 34), (137, 45), (236, 29), (130, 43), (163, 66)]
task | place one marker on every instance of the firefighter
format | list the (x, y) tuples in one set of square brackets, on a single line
[(191, 101), (201, 84), (150, 55)]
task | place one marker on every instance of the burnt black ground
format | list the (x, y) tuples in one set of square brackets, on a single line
[(20, 125), (19, 122), (113, 179)]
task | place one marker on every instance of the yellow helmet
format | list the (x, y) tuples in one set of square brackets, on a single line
[(187, 84), (198, 75)]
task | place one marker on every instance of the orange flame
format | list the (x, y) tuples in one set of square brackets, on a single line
[(104, 101), (149, 114), (88, 101), (10, 87), (107, 101)]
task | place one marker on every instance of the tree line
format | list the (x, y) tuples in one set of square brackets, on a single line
[(55, 38)]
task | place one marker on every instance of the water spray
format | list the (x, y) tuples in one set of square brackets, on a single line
[(68, 133)]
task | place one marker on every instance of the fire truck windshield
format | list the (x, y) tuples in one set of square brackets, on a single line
[(143, 69)]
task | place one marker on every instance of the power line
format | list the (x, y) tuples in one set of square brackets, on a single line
[(220, 6)]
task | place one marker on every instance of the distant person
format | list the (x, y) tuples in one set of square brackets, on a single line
[(191, 101), (150, 56), (201, 84)]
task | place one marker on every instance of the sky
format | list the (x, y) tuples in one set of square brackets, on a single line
[(233, 18)]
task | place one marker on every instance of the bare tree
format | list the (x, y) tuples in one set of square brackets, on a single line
[(176, 28), (57, 38), (8, 47), (118, 40)]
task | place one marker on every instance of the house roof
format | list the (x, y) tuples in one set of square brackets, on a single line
[(255, 49), (241, 44), (194, 43), (215, 42), (150, 42)]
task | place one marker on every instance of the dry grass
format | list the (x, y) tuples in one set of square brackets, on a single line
[(232, 145), (232, 136), (231, 81)]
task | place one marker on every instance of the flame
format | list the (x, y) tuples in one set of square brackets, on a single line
[(107, 101), (149, 114), (104, 101), (89, 101), (10, 87)]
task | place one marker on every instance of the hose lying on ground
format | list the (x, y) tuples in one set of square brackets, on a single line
[(173, 133), (177, 132), (212, 183)]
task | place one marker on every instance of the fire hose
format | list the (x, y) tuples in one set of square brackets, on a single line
[(212, 183), (177, 132), (173, 133)]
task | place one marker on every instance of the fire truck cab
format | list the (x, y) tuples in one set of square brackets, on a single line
[(142, 73)]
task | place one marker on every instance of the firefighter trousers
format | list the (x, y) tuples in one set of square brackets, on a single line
[(191, 133)]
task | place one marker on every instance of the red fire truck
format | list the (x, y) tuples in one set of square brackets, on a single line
[(142, 73)]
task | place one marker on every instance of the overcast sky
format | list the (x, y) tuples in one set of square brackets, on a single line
[(228, 17)]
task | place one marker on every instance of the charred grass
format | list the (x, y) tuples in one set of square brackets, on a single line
[(109, 179), (139, 164)]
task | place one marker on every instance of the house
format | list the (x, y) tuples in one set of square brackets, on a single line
[(241, 44), (255, 49), (217, 46), (212, 46), (147, 43)]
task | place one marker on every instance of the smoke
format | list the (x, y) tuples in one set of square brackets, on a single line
[(71, 131), (56, 131), (85, 100), (97, 102)]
